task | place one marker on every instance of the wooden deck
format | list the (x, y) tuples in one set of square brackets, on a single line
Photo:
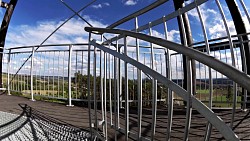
[(77, 117)]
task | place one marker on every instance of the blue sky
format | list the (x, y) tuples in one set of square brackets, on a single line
[(33, 21)]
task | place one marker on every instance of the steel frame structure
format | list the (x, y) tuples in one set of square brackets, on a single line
[(106, 73)]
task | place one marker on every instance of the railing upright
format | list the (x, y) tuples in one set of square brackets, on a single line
[(170, 95), (126, 92), (139, 84), (232, 57), (8, 72), (69, 75), (31, 74)]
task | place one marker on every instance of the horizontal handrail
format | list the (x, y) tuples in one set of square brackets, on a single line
[(231, 72), (48, 45)]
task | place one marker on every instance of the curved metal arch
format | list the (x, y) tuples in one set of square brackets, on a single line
[(231, 72), (216, 121)]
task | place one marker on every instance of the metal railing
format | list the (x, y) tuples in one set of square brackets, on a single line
[(136, 69)]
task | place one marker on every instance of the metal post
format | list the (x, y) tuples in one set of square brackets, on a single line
[(189, 39), (189, 85), (31, 74), (240, 28), (63, 73), (8, 71), (105, 97), (209, 126), (154, 88), (245, 10), (89, 91), (139, 84), (95, 91), (233, 59), (126, 92), (244, 106), (170, 95), (116, 89), (69, 76)]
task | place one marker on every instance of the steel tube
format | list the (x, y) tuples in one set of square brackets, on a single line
[(31, 74), (170, 95), (233, 60), (126, 92), (8, 73), (105, 97), (199, 106), (154, 88), (139, 85), (89, 89), (69, 75), (209, 127), (245, 10), (53, 77), (189, 84), (245, 70)]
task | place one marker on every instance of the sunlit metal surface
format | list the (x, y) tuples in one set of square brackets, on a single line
[(138, 69)]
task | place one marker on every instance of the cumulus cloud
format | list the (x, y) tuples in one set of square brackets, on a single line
[(213, 22), (72, 32), (130, 2), (101, 5)]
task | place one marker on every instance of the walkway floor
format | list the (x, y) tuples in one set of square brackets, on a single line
[(67, 120)]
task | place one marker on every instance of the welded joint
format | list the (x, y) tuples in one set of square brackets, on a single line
[(4, 4)]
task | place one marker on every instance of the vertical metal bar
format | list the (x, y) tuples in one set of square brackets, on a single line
[(189, 85), (154, 88), (176, 69), (110, 93), (53, 77), (126, 92), (244, 106), (116, 89), (31, 74), (119, 93), (105, 97), (63, 72), (40, 75), (133, 81), (58, 71), (233, 60), (200, 80), (168, 74), (18, 82), (69, 75), (8, 72), (245, 10), (110, 87), (83, 87), (209, 126), (89, 91), (44, 70), (102, 91), (36, 92), (76, 78), (12, 84), (139, 85), (48, 71), (95, 91)]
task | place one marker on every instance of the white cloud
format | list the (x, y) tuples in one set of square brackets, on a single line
[(213, 22), (72, 32), (130, 2), (101, 5)]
